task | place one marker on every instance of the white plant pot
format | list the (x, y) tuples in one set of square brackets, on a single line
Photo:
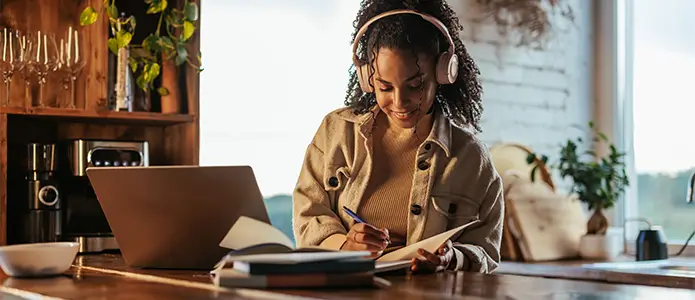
[(600, 247)]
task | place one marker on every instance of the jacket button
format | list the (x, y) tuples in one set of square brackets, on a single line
[(333, 181), (452, 208), (423, 165), (428, 146), (416, 209)]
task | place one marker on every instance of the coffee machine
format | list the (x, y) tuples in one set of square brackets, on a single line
[(41, 205), (83, 220)]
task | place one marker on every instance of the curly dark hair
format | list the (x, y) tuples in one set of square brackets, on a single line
[(461, 101)]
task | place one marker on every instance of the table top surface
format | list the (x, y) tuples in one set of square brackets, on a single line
[(107, 276)]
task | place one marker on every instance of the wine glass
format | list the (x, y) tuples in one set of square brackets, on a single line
[(71, 61), (26, 45), (10, 62), (43, 58)]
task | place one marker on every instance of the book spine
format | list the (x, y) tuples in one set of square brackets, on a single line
[(297, 281), (324, 268)]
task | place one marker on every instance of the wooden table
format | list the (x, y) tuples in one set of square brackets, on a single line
[(106, 277), (573, 269)]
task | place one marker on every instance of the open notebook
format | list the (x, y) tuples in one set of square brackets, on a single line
[(256, 241)]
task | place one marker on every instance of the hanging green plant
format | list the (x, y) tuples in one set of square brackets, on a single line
[(533, 20), (170, 43)]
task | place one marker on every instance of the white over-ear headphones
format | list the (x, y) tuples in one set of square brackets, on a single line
[(447, 63)]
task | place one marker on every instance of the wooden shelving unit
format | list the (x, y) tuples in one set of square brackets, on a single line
[(173, 138), (106, 116)]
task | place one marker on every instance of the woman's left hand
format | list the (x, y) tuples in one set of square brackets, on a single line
[(428, 262)]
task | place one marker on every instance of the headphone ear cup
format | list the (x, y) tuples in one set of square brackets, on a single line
[(447, 68), (363, 74)]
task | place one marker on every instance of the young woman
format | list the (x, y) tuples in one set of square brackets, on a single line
[(403, 154)]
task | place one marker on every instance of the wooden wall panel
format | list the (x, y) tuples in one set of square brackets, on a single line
[(181, 144), (3, 178), (93, 81), (56, 17), (193, 97)]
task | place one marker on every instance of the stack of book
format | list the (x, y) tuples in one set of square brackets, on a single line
[(295, 270), (263, 257)]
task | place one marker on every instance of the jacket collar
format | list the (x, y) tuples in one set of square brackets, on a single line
[(439, 135)]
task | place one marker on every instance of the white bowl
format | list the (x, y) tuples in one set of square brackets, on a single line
[(37, 259)]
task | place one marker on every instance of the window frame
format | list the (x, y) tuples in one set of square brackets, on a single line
[(617, 27)]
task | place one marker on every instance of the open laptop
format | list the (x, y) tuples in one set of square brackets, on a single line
[(174, 217)]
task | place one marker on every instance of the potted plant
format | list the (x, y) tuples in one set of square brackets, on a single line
[(597, 181), (163, 51)]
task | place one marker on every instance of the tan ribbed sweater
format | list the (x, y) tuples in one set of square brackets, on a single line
[(387, 196)]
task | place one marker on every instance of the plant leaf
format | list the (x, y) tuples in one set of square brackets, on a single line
[(163, 91), (167, 47), (133, 64), (200, 62), (173, 21), (190, 11), (112, 11), (181, 55), (166, 42), (113, 45), (132, 22), (157, 7), (141, 81), (151, 43), (152, 72), (88, 16), (123, 37), (188, 29)]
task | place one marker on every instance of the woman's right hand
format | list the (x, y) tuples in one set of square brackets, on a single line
[(365, 237)]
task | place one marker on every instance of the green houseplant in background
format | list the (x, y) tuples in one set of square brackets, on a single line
[(174, 30), (597, 181)]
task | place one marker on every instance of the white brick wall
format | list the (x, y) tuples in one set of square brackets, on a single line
[(532, 96)]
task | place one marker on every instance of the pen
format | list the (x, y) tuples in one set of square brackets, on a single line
[(353, 215), (358, 219)]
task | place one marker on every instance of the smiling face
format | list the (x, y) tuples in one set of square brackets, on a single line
[(405, 86)]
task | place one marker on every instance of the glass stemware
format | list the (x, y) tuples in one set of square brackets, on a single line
[(71, 61), (10, 62), (26, 46), (43, 59)]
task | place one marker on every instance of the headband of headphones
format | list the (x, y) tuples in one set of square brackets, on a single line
[(428, 18)]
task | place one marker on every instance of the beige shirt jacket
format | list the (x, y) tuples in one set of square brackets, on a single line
[(454, 183)]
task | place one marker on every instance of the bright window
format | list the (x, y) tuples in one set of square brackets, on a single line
[(273, 69), (661, 106)]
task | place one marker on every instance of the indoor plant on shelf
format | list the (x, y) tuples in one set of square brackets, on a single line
[(597, 181), (162, 52)]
